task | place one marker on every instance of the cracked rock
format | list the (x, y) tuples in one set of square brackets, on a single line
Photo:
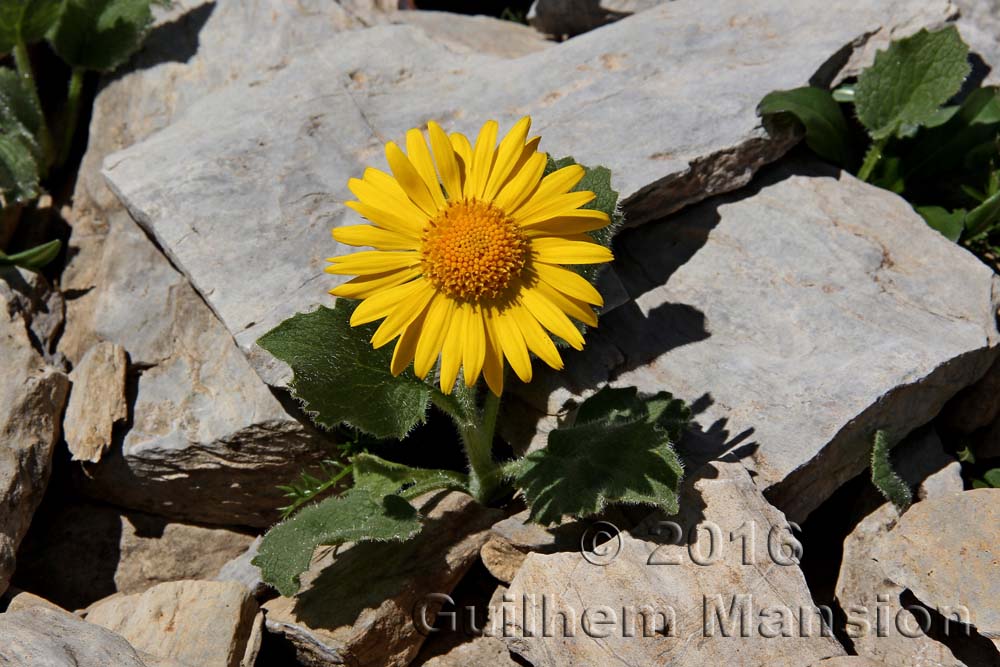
[(254, 175), (97, 401)]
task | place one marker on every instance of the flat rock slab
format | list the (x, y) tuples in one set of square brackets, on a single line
[(32, 397), (797, 318), (39, 636), (254, 175), (947, 552), (680, 590), (205, 623), (358, 606), (97, 401)]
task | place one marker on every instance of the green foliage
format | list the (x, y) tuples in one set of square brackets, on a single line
[(32, 258), (990, 480), (100, 34), (308, 486), (618, 450), (356, 516), (885, 478), (907, 83), (382, 477), (340, 378), (20, 152), (949, 223), (26, 21), (826, 129)]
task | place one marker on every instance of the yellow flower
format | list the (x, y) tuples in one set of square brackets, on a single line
[(469, 246)]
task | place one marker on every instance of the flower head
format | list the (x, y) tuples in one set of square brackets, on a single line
[(470, 246)]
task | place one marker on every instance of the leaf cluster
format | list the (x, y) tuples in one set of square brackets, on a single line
[(906, 126)]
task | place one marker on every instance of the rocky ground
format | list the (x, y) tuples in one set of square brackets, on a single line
[(796, 308)]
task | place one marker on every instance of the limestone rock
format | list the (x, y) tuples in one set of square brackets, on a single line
[(242, 570), (42, 307), (979, 24), (486, 651), (944, 550), (38, 636), (572, 17), (80, 551), (512, 539), (32, 397), (878, 624), (97, 401), (254, 175), (24, 600), (977, 406), (664, 598), (797, 318), (357, 606), (203, 623), (473, 34)]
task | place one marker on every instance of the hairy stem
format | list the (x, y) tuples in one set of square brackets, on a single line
[(872, 158), (476, 429), (72, 114)]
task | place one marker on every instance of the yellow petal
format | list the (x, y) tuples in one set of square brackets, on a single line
[(390, 199), (553, 250), (508, 153), (482, 160), (522, 184), (380, 305), (493, 369), (474, 354), (578, 222), (406, 346), (452, 351), (389, 220), (416, 150), (565, 204), (404, 313), (537, 340), (558, 182), (409, 179), (447, 163), (386, 183), (367, 262), (551, 317), (366, 235), (436, 324), (572, 307), (568, 282), (512, 343), (363, 287), (463, 151)]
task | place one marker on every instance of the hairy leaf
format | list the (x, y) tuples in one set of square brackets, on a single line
[(20, 152), (619, 450), (356, 516), (382, 477), (885, 478), (949, 223), (826, 129), (33, 258), (18, 171), (26, 21), (907, 83), (340, 378), (100, 34)]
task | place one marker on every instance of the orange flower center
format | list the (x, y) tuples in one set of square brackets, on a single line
[(472, 250)]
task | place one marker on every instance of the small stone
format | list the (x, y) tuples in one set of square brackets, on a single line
[(358, 605), (96, 402), (204, 623), (571, 17), (946, 551), (242, 570), (25, 600)]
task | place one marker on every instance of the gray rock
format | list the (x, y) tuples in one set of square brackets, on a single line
[(706, 597), (242, 570), (358, 606), (486, 651), (97, 401), (78, 552), (41, 307), (944, 551), (39, 636), (979, 23), (204, 623), (254, 175), (879, 625), (572, 17), (977, 406), (797, 318), (32, 397)]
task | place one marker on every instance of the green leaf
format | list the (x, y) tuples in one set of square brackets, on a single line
[(341, 378), (991, 478), (910, 80), (826, 129), (949, 223), (382, 477), (33, 258), (100, 34), (356, 516), (18, 171), (26, 21), (984, 217), (885, 478), (619, 450), (20, 152), (844, 93)]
